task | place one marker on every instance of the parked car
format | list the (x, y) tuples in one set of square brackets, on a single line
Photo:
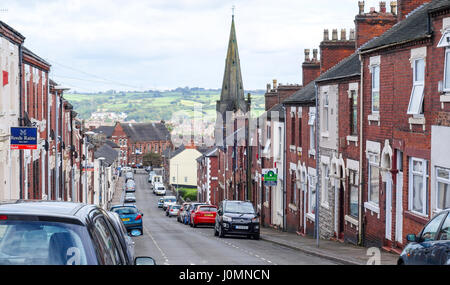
[(236, 218), (159, 189), (173, 210), (126, 241), (59, 233), (431, 246), (169, 200), (182, 212), (192, 210), (160, 202), (204, 215), (130, 216), (130, 186), (150, 176), (129, 198), (129, 175)]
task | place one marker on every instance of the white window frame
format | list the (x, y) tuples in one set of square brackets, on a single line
[(326, 179), (312, 137), (325, 111), (418, 90), (374, 69), (373, 161), (440, 180), (311, 188), (424, 175), (444, 87)]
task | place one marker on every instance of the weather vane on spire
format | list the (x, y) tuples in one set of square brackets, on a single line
[(232, 9)]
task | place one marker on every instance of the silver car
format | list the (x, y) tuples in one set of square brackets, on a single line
[(173, 210)]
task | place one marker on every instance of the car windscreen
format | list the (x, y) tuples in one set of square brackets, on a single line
[(176, 207), (161, 200), (170, 200), (160, 188), (239, 207), (130, 183), (207, 209), (125, 210), (24, 242)]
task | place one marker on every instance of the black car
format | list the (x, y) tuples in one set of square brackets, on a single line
[(59, 233), (236, 218), (432, 245), (125, 239)]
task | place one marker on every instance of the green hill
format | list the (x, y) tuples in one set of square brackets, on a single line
[(155, 105)]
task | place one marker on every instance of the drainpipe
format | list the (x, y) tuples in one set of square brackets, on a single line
[(317, 166), (20, 121), (360, 196), (284, 171)]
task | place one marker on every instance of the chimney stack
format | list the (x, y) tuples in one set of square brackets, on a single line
[(326, 35), (334, 36), (382, 7), (307, 55), (361, 7), (394, 7)]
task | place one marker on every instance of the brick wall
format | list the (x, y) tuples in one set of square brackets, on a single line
[(407, 6), (332, 52)]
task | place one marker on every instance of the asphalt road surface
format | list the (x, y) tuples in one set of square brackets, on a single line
[(172, 243)]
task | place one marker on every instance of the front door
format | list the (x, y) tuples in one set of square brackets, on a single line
[(399, 200), (389, 207)]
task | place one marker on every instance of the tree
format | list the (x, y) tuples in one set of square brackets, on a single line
[(152, 159)]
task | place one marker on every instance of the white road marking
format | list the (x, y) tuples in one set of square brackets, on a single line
[(166, 260)]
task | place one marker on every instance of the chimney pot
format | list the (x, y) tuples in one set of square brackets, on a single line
[(307, 55), (274, 84), (361, 7), (394, 7), (352, 35), (382, 7), (326, 35), (372, 9), (334, 35), (315, 54), (268, 87), (343, 35)]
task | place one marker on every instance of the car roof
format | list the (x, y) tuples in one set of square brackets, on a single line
[(121, 206), (45, 208)]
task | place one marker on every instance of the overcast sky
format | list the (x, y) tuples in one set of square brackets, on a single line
[(97, 45)]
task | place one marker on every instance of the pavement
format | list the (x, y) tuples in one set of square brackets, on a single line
[(333, 250)]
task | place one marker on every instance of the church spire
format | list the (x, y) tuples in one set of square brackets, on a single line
[(232, 96)]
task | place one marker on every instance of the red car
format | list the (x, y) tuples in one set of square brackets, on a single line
[(204, 215)]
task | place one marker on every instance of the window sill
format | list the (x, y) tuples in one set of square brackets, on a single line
[(373, 208), (351, 220), (311, 217), (445, 98), (325, 134), (325, 205), (292, 148), (299, 149), (375, 117), (312, 152), (266, 204), (293, 207), (352, 139), (417, 120)]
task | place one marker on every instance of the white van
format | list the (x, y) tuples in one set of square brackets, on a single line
[(159, 189), (157, 179)]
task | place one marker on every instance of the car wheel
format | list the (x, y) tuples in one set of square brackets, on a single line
[(256, 236), (194, 225)]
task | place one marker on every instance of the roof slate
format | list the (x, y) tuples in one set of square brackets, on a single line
[(107, 130), (146, 131), (107, 152), (306, 95)]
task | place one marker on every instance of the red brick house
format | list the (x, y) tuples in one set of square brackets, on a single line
[(207, 181), (404, 112)]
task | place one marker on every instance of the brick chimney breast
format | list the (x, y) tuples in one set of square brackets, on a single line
[(405, 7)]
